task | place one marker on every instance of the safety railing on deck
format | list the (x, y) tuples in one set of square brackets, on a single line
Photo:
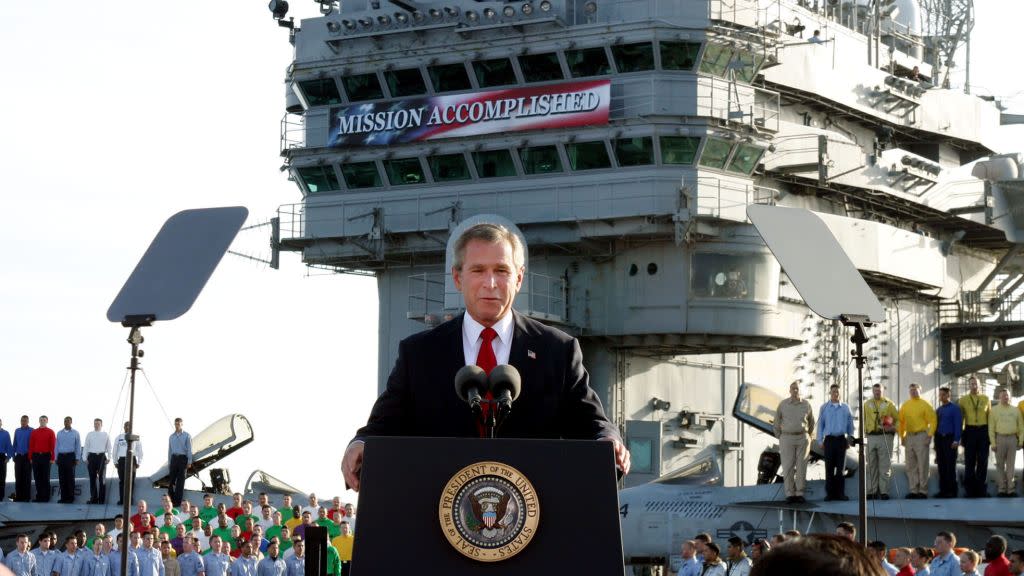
[(293, 131), (987, 306), (728, 200)]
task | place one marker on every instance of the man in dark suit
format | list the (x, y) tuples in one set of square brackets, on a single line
[(556, 399)]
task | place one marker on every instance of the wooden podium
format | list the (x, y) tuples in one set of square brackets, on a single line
[(400, 506)]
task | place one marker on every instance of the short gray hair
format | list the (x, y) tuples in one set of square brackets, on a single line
[(492, 233)]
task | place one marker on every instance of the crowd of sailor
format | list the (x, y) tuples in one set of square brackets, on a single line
[(245, 539)]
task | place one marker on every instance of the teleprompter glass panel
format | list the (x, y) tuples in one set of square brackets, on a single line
[(679, 149), (408, 82), (319, 179), (362, 87), (402, 171), (497, 72), (735, 276), (540, 67), (634, 57), (320, 92), (716, 58), (587, 62), (449, 77), (745, 159), (494, 163), (715, 153), (679, 55), (587, 155), (361, 175), (540, 159), (634, 151), (448, 167)]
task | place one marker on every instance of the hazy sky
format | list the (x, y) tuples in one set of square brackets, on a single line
[(119, 114)]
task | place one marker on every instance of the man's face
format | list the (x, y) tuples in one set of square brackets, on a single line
[(24, 421), (299, 547), (43, 420), (944, 396), (833, 394), (876, 392), (1016, 564), (100, 529), (734, 551), (345, 529), (44, 543), (207, 501), (72, 546), (312, 499), (915, 392), (136, 539), (307, 517), (794, 391), (266, 513), (168, 519), (177, 425), (973, 383), (67, 422), (97, 424), (246, 548), (23, 544), (237, 498), (287, 501), (147, 541), (966, 564), (321, 513), (247, 507), (108, 545), (165, 549), (489, 280), (272, 549), (142, 506), (1004, 397), (186, 545), (916, 560), (350, 510), (710, 555), (119, 523), (277, 518), (689, 551), (262, 498), (215, 543), (941, 545)]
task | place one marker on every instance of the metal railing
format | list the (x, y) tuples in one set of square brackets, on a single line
[(293, 131), (979, 307), (728, 200), (426, 297)]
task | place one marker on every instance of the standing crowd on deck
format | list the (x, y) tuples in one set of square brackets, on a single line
[(972, 422), (193, 540)]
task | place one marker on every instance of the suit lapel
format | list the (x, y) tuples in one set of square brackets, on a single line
[(522, 344)]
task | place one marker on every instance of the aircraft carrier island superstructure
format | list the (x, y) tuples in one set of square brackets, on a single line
[(624, 139)]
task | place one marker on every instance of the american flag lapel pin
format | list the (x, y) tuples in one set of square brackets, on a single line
[(531, 354)]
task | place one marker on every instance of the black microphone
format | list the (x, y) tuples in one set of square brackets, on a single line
[(505, 385), (470, 383)]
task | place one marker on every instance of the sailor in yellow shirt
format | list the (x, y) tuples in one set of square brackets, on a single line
[(343, 544), (975, 407), (917, 423), (1006, 433), (880, 427)]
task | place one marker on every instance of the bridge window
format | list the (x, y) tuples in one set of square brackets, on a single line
[(448, 167), (362, 87), (679, 55), (319, 179), (320, 92), (497, 72), (745, 158), (361, 175), (540, 159), (716, 58), (408, 82), (715, 153), (449, 77), (734, 276), (494, 163), (634, 151), (540, 67), (587, 62), (749, 65), (678, 149), (634, 57), (587, 155), (402, 171)]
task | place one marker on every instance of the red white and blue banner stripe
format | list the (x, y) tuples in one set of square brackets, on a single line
[(565, 105)]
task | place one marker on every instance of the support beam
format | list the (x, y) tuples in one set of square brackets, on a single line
[(999, 267), (984, 360)]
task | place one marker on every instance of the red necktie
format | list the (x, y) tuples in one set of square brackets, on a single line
[(486, 360)]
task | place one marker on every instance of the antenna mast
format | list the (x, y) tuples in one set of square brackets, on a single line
[(947, 27)]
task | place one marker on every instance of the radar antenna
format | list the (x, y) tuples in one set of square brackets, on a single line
[(948, 25)]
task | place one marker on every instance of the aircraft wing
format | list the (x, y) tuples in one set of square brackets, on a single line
[(981, 512)]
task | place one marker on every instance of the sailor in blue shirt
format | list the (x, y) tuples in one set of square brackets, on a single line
[(946, 562), (22, 462), (101, 560), (216, 563), (272, 565), (69, 452), (835, 423), (947, 442), (297, 562), (151, 563), (72, 562), (20, 560), (45, 555), (6, 453), (191, 564), (245, 564), (114, 557), (179, 460)]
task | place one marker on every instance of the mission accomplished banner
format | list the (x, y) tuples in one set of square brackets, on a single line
[(417, 119)]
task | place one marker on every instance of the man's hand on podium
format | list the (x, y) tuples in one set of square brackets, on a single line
[(621, 454), (352, 464)]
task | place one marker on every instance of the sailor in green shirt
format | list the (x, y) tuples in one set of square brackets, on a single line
[(222, 529), (322, 520), (333, 561), (208, 512), (286, 509), (274, 530), (246, 515), (169, 527)]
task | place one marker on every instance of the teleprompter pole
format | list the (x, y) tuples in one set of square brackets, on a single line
[(859, 338), (136, 323)]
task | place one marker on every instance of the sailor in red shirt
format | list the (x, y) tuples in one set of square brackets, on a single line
[(995, 555), (236, 509), (902, 561), (42, 445), (136, 519)]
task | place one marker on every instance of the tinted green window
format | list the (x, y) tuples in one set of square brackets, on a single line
[(641, 452), (750, 65), (587, 62), (745, 158), (319, 179), (540, 67), (448, 167), (362, 87), (494, 163), (678, 149), (540, 159), (320, 92), (679, 55), (497, 72), (634, 151), (403, 171), (634, 57), (449, 77), (587, 155), (715, 153), (408, 82), (361, 175), (716, 58)]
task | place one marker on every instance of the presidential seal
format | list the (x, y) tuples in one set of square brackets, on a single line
[(489, 511)]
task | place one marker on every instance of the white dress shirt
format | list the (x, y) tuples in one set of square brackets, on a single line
[(98, 443), (122, 449), (471, 341)]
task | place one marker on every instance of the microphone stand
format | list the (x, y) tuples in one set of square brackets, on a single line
[(491, 422)]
